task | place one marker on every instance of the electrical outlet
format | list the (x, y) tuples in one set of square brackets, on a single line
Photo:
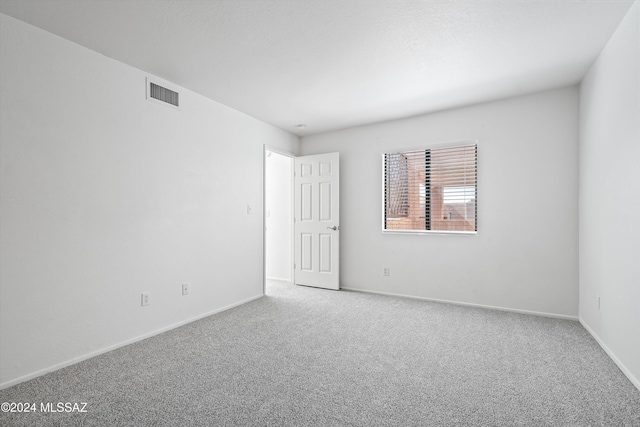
[(248, 209), (385, 271), (185, 289), (598, 298), (145, 299)]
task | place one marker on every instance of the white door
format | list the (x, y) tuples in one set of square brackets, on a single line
[(317, 221)]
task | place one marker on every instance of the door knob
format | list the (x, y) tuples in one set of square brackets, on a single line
[(334, 228)]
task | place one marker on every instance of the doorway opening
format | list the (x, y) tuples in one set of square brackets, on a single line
[(278, 217)]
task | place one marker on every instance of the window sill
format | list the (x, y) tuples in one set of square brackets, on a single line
[(428, 232)]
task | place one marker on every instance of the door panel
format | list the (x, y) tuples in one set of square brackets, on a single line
[(316, 220), (325, 253), (307, 252), (325, 201), (306, 202)]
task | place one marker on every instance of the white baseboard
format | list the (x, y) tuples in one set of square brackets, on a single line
[(279, 279), (612, 355), (468, 304), (78, 359)]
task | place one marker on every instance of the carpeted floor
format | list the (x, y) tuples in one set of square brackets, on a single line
[(310, 357)]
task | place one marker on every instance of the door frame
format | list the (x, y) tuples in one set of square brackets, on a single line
[(266, 148)]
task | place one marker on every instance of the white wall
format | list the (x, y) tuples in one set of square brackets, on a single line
[(610, 197), (524, 256), (278, 216), (105, 195)]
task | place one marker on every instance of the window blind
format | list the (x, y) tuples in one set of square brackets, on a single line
[(432, 189)]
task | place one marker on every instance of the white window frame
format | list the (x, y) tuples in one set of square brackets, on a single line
[(426, 232)]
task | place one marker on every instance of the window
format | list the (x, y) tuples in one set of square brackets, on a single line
[(433, 189)]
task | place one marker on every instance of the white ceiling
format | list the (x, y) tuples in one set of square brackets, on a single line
[(332, 64)]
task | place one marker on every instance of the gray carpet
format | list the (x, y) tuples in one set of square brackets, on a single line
[(310, 357)]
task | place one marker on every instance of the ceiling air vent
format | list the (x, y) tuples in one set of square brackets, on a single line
[(158, 93)]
